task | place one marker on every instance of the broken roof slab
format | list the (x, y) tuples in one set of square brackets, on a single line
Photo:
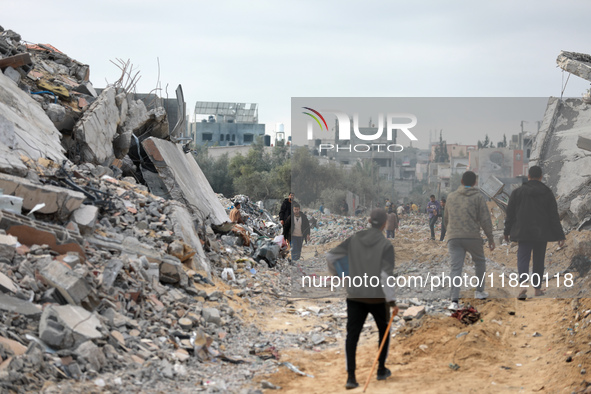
[(184, 180), (578, 64), (26, 128)]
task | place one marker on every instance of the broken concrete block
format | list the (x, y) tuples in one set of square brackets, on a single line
[(414, 312), (184, 179), (158, 128), (60, 276), (92, 354), (575, 63), (8, 245), (86, 88), (121, 144), (172, 271), (11, 203), (111, 271), (85, 217), (28, 127), (34, 232), (7, 285), (13, 74), (68, 326), (71, 259), (56, 113), (13, 304), (184, 226), (97, 128), (136, 117), (212, 315), (128, 245), (56, 199)]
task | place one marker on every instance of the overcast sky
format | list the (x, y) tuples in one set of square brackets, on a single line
[(266, 51)]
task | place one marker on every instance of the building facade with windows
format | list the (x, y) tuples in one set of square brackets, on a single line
[(225, 124)]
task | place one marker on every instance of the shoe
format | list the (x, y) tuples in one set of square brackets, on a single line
[(384, 374), (480, 295), (522, 296), (453, 306), (351, 383)]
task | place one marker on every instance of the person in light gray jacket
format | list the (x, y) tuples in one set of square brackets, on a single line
[(465, 214)]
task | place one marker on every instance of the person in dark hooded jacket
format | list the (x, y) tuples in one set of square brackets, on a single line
[(285, 212), (371, 255), (532, 221)]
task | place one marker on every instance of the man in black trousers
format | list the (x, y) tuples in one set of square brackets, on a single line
[(369, 254), (532, 220)]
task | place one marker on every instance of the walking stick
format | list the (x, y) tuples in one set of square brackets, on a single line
[(373, 367)]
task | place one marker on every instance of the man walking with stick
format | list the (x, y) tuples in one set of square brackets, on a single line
[(369, 254)]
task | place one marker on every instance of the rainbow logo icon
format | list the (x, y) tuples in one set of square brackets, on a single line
[(315, 118)]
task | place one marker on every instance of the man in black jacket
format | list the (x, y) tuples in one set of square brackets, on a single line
[(370, 255), (285, 212), (532, 220), (298, 227)]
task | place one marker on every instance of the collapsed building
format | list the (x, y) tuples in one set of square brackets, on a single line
[(109, 230), (562, 147)]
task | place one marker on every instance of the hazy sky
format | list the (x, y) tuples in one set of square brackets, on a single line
[(266, 51)]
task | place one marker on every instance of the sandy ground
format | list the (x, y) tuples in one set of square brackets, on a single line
[(498, 354)]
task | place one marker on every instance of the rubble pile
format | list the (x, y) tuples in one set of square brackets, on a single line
[(331, 227), (112, 240), (118, 288), (79, 123)]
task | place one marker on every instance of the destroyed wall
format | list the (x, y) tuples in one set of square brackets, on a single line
[(24, 130), (567, 168)]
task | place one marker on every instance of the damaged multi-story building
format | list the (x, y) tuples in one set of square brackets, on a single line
[(226, 124)]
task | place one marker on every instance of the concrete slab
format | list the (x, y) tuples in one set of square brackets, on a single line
[(68, 326), (85, 217), (56, 199), (171, 271), (185, 180), (60, 276), (7, 246), (12, 304), (97, 128), (25, 128), (184, 227), (575, 63), (7, 285)]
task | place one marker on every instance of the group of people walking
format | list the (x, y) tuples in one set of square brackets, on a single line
[(532, 220)]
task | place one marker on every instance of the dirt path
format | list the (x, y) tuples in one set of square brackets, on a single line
[(498, 354)]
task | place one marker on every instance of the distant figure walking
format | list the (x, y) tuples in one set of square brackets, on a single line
[(433, 208)]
